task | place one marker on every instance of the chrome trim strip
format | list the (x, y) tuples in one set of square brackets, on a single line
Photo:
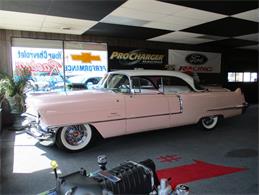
[(181, 103), (130, 118), (229, 108), (119, 119), (181, 106), (29, 115), (147, 116)]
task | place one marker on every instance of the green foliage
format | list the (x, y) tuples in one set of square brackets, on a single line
[(14, 88), (10, 86)]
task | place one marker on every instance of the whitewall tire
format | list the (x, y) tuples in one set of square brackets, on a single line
[(74, 137), (209, 123)]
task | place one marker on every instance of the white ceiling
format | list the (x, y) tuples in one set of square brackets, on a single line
[(185, 37), (252, 15), (250, 37), (153, 16), (252, 47), (43, 23), (159, 15)]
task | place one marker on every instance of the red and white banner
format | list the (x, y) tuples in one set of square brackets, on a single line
[(194, 61), (37, 60)]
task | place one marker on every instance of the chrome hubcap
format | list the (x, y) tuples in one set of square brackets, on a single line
[(75, 135), (209, 120)]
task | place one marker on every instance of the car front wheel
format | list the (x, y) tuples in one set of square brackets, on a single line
[(74, 137), (209, 123)]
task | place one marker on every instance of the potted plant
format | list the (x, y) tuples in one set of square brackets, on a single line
[(1, 99), (6, 118), (13, 88)]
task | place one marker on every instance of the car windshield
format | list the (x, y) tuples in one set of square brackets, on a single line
[(115, 82)]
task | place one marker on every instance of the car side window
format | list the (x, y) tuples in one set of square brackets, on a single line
[(143, 85), (174, 85), (118, 83)]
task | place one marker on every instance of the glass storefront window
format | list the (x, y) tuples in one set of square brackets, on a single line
[(246, 76), (85, 64), (231, 77), (253, 77), (242, 76), (81, 67), (239, 76), (41, 61)]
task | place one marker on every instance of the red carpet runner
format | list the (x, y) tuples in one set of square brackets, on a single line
[(195, 171)]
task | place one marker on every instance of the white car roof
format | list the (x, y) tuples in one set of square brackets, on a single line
[(142, 72)]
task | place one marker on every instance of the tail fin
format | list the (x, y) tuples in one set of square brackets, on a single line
[(238, 90)]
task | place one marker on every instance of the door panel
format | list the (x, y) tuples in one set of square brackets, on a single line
[(146, 112), (108, 115)]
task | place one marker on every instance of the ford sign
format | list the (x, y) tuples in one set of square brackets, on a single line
[(196, 59)]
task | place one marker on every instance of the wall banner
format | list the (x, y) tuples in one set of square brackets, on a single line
[(82, 62), (130, 58), (194, 61)]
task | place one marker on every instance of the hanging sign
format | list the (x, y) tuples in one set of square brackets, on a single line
[(194, 61), (130, 58), (80, 62)]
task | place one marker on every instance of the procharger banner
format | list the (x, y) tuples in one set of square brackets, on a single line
[(194, 61), (131, 58)]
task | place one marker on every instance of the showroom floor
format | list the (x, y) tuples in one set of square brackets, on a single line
[(223, 161)]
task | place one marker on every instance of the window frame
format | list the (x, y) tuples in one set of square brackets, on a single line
[(243, 77), (108, 76), (174, 77), (139, 81), (161, 79)]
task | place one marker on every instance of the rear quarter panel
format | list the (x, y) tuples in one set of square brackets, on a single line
[(197, 105)]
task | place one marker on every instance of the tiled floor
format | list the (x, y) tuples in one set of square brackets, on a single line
[(25, 165)]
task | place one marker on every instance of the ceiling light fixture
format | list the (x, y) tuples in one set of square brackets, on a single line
[(66, 28)]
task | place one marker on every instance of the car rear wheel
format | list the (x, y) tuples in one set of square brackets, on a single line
[(74, 137), (209, 123)]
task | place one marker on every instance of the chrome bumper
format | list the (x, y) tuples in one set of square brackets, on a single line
[(45, 137), (242, 106), (245, 106)]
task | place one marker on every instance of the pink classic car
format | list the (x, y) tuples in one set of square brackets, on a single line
[(126, 102)]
